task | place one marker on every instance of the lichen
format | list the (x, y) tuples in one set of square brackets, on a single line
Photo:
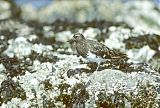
[(10, 90), (76, 98), (145, 98)]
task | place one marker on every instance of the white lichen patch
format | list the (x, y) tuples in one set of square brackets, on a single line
[(142, 55), (12, 104), (91, 33), (112, 81), (2, 68), (116, 79), (116, 37), (63, 36), (33, 82), (19, 47), (138, 16), (48, 31), (40, 48)]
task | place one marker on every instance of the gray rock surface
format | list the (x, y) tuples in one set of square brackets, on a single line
[(38, 68)]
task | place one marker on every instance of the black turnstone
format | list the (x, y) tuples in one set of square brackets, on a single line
[(94, 51)]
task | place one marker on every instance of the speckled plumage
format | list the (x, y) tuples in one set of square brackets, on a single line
[(85, 47)]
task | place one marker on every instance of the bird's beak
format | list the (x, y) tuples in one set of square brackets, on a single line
[(71, 40)]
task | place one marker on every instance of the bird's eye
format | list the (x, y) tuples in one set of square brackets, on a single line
[(75, 36)]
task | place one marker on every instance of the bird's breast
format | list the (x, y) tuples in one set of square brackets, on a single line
[(82, 49)]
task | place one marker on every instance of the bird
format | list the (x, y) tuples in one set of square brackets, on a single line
[(94, 51)]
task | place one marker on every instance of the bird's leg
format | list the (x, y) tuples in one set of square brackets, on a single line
[(98, 64)]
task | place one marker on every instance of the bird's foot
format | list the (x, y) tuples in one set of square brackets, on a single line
[(98, 64)]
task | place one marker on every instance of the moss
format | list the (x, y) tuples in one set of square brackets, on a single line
[(10, 90), (72, 72), (14, 67), (145, 98), (47, 85), (77, 98), (116, 100), (48, 103), (152, 40), (43, 58)]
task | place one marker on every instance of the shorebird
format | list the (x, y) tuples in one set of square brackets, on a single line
[(94, 51)]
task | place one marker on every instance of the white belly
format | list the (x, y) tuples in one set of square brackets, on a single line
[(93, 58)]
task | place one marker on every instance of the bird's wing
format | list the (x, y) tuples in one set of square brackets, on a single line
[(101, 50)]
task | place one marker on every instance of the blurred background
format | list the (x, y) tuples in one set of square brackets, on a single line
[(143, 12)]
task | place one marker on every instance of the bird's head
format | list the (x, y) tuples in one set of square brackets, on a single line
[(78, 37)]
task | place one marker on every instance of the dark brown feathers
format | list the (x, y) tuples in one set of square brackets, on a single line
[(83, 46)]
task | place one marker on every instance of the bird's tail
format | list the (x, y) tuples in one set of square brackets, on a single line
[(118, 55)]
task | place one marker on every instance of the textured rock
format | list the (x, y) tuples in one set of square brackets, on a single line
[(39, 69), (14, 48)]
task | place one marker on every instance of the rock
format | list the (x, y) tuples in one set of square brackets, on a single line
[(20, 48), (114, 83), (38, 68)]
